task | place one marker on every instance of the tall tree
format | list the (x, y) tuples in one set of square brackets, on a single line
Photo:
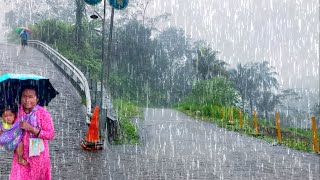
[(238, 76), (260, 82), (207, 65), (79, 31), (266, 76), (269, 83), (174, 57), (256, 83), (266, 101), (288, 99), (251, 85)]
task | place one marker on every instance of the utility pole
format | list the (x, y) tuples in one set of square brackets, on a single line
[(102, 112), (105, 61)]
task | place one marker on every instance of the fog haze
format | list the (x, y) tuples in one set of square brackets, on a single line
[(282, 32)]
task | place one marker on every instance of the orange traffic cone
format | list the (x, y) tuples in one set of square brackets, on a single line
[(93, 132), (92, 141)]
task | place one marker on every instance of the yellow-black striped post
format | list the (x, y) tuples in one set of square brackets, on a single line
[(222, 111), (255, 121), (315, 137), (240, 118), (230, 116), (278, 128)]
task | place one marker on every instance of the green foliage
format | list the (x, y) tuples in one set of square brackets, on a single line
[(84, 58), (215, 91), (207, 65), (128, 109), (298, 144), (145, 69), (53, 31), (295, 138), (128, 131), (60, 36), (149, 72), (83, 100), (256, 83), (207, 103)]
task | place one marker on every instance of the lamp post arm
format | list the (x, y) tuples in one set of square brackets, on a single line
[(99, 14)]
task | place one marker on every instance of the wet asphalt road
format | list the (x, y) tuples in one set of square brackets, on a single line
[(174, 146)]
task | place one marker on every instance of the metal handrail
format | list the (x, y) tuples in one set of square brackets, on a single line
[(79, 78)]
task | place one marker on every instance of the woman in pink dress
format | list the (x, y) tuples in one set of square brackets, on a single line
[(40, 126)]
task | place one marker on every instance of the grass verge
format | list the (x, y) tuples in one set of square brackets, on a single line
[(295, 138), (128, 131)]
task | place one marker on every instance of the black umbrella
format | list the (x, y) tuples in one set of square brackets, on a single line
[(11, 85)]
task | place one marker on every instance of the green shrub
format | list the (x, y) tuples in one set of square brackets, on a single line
[(214, 91), (128, 131)]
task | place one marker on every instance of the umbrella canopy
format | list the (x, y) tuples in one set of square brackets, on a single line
[(19, 29), (11, 84)]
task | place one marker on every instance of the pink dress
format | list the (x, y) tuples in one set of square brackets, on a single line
[(39, 166)]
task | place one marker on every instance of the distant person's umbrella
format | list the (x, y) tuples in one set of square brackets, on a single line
[(19, 30), (11, 84)]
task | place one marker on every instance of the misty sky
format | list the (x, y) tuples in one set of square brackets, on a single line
[(3, 9), (282, 32)]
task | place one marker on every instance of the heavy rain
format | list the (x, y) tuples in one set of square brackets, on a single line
[(163, 89)]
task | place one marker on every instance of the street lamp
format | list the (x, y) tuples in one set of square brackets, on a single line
[(104, 75), (93, 16), (105, 64), (40, 19)]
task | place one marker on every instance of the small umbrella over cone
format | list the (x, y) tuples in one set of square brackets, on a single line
[(92, 140)]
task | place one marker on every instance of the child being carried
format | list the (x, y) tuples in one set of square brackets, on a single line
[(10, 132)]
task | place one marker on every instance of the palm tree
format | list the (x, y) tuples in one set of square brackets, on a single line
[(207, 65), (251, 84), (238, 76), (250, 78), (267, 101), (265, 78)]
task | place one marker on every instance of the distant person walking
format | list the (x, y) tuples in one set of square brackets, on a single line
[(24, 38)]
